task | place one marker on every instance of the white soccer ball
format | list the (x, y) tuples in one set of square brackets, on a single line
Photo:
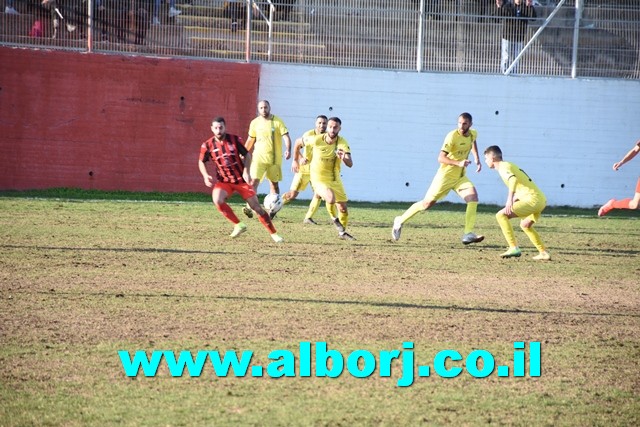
[(272, 203)]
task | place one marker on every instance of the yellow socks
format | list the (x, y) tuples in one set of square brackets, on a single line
[(333, 211), (313, 207), (534, 237), (507, 229), (470, 217)]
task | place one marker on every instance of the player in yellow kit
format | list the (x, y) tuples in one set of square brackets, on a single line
[(328, 152), (451, 175), (266, 133), (524, 200), (302, 178)]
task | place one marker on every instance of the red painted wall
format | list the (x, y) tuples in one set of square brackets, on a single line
[(114, 122)]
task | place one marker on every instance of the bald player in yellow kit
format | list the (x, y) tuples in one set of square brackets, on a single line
[(452, 175), (524, 200)]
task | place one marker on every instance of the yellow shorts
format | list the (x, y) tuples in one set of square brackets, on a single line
[(260, 171), (529, 209), (442, 184), (335, 186), (300, 182)]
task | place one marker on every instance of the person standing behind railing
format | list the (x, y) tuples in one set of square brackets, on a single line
[(514, 29), (173, 12), (9, 9)]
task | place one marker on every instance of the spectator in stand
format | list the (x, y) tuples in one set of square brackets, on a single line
[(173, 12), (9, 9), (284, 7), (516, 16), (58, 14)]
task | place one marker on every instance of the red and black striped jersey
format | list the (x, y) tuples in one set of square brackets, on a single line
[(225, 155)]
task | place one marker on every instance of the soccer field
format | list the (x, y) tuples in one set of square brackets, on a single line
[(82, 280)]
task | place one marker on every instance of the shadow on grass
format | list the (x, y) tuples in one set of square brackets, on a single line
[(158, 250), (400, 305), (205, 196)]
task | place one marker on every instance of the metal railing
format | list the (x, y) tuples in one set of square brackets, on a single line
[(572, 38)]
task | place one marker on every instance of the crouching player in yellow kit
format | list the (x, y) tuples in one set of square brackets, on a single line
[(524, 200), (328, 152), (302, 177)]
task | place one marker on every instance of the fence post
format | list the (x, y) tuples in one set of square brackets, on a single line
[(247, 33), (89, 26), (420, 52), (576, 37)]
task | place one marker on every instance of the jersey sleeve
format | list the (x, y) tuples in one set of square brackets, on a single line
[(252, 129), (343, 145), (205, 156), (281, 126), (447, 145)]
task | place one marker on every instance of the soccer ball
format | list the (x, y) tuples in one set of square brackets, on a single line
[(272, 203)]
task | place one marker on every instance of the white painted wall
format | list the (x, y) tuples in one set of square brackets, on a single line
[(564, 133)]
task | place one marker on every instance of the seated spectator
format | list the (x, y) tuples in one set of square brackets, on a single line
[(9, 9), (173, 12)]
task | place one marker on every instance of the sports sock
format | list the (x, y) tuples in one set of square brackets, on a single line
[(344, 218), (507, 229), (413, 210), (534, 237), (333, 211), (227, 212), (266, 221), (621, 204), (313, 207), (470, 217)]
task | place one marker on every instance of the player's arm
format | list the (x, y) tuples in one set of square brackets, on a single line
[(476, 158), (345, 157), (287, 145), (209, 180), (442, 158), (247, 167), (246, 160), (630, 155), (511, 184), (251, 140), (295, 163), (204, 157)]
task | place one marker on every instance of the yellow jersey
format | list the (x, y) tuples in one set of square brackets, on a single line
[(517, 180), (268, 135), (457, 148), (325, 164), (306, 153)]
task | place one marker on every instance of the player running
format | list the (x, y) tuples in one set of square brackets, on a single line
[(328, 152), (451, 176), (301, 179), (624, 203), (232, 163)]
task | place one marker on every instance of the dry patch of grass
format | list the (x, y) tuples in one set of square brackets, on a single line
[(81, 280)]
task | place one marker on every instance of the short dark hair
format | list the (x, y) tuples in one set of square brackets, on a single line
[(218, 119), (322, 116), (467, 116), (335, 119), (495, 150)]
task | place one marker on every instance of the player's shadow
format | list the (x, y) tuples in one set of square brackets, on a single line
[(158, 250)]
